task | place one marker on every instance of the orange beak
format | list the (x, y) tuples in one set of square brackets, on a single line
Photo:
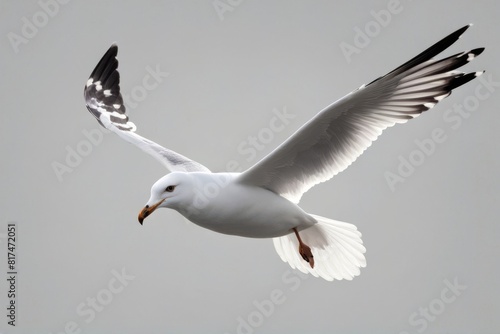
[(148, 210)]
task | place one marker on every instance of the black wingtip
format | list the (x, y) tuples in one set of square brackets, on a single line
[(463, 79), (460, 31), (102, 91), (113, 47), (477, 51), (107, 64), (453, 37), (433, 50)]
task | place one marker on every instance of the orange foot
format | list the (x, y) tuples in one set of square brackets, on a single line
[(304, 250)]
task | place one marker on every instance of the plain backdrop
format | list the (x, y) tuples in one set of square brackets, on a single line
[(231, 66)]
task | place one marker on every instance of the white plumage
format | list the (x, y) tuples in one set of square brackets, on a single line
[(262, 201)]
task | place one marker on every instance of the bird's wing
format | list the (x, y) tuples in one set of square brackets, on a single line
[(104, 101), (337, 135)]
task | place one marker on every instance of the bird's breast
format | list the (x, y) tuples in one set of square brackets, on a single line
[(248, 211)]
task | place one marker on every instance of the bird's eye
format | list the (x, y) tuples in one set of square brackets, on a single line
[(170, 189)]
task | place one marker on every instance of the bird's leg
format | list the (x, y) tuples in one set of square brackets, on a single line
[(304, 250)]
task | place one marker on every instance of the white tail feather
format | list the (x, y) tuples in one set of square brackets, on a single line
[(336, 246)]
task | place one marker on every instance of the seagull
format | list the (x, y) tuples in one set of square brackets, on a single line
[(262, 202)]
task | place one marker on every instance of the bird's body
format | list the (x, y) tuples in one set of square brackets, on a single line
[(219, 202), (262, 202)]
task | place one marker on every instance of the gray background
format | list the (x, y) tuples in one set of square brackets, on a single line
[(226, 75)]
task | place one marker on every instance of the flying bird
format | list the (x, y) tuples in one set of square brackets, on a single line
[(262, 202)]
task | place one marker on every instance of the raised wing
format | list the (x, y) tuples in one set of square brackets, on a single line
[(339, 134), (104, 101)]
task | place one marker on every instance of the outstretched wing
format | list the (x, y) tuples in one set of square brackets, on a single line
[(339, 134), (104, 101)]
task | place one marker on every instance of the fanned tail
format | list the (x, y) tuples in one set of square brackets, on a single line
[(336, 246)]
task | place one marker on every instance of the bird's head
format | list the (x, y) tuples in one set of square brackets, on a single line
[(171, 191)]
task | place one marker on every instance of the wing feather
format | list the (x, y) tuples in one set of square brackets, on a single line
[(105, 102), (339, 134)]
